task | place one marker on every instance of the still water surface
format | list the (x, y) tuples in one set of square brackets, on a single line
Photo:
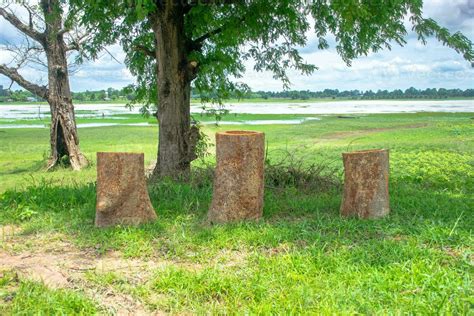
[(10, 113)]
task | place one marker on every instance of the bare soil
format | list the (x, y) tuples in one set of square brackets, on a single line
[(59, 264)]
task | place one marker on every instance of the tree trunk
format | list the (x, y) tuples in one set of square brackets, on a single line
[(239, 177), (174, 76), (63, 133), (122, 196), (366, 184)]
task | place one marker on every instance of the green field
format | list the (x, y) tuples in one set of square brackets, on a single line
[(302, 257)]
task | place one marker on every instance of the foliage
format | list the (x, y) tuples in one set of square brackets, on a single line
[(203, 144), (110, 94), (24, 213), (410, 93), (221, 36), (128, 95)]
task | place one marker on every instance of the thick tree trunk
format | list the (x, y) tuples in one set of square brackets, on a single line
[(174, 76), (122, 196), (63, 133), (366, 184), (63, 136), (239, 177)]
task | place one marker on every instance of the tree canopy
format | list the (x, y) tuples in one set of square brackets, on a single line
[(221, 35), (173, 46)]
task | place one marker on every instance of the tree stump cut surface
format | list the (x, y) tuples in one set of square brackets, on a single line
[(239, 177), (366, 176), (122, 195)]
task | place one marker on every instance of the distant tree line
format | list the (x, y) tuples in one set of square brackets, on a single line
[(411, 93), (16, 96), (126, 94), (111, 94)]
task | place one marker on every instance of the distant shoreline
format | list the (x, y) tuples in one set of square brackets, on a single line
[(260, 100)]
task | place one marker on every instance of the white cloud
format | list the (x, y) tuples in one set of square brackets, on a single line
[(415, 65)]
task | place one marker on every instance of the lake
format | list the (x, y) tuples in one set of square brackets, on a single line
[(10, 113)]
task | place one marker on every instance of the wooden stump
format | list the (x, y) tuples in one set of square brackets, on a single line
[(122, 196), (366, 184), (238, 179)]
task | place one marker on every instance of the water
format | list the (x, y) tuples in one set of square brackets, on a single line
[(265, 122), (11, 113), (351, 107), (30, 111), (80, 125), (249, 122)]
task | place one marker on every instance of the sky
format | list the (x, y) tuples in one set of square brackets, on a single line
[(414, 65)]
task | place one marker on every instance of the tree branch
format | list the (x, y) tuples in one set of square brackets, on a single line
[(145, 50), (197, 43), (25, 29), (30, 16), (77, 42), (208, 35), (27, 51), (12, 73), (63, 31)]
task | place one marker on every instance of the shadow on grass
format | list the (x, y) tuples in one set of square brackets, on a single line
[(293, 220), (34, 166)]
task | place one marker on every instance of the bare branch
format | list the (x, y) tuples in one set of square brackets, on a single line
[(25, 29), (28, 51), (75, 43), (111, 55), (12, 73), (30, 15)]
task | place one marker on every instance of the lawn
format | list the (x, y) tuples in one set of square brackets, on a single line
[(302, 257)]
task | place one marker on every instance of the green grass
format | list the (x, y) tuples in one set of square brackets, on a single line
[(33, 298), (300, 258)]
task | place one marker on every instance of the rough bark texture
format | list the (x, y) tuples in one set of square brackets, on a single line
[(122, 196), (175, 73), (366, 184), (63, 134), (239, 177)]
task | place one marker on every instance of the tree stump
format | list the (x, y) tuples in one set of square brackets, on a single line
[(366, 184), (238, 179), (122, 195)]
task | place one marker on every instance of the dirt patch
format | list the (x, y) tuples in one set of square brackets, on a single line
[(227, 258), (67, 268), (54, 270), (8, 231), (118, 303), (346, 134)]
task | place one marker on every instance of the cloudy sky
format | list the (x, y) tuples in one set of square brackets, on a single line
[(413, 65)]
